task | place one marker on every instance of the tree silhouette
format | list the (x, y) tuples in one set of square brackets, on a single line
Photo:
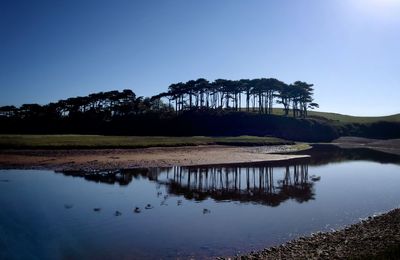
[(260, 95)]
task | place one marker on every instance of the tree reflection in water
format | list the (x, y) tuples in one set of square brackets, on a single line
[(243, 184), (258, 184), (266, 183)]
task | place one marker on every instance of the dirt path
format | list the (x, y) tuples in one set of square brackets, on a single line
[(148, 157)]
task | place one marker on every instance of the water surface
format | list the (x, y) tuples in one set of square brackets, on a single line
[(191, 211)]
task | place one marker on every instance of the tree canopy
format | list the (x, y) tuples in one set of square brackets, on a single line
[(255, 95)]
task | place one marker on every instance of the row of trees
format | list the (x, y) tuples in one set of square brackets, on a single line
[(106, 104), (256, 94), (249, 95)]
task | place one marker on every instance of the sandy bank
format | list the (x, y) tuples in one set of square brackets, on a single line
[(146, 157)]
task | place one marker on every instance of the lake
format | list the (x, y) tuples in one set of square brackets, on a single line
[(183, 212)]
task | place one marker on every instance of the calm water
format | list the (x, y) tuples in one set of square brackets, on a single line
[(190, 211)]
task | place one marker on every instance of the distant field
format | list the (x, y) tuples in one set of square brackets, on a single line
[(346, 118), (98, 141), (354, 119)]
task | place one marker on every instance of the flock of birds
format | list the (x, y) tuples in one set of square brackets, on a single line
[(147, 207)]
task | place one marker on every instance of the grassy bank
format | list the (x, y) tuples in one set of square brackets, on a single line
[(99, 141), (354, 119), (346, 119)]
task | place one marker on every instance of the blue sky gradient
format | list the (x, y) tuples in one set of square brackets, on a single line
[(350, 49)]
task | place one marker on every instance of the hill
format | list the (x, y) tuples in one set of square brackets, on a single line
[(340, 118)]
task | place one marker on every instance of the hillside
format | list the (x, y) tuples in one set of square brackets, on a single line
[(340, 118), (354, 119)]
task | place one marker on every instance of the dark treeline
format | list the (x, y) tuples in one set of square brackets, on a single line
[(104, 105), (187, 123), (257, 95), (197, 107)]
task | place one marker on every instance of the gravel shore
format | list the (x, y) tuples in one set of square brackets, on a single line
[(369, 239)]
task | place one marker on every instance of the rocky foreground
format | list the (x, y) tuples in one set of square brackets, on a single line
[(368, 239)]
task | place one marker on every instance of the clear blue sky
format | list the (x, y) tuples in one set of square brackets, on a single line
[(350, 49)]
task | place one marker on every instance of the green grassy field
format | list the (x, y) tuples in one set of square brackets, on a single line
[(346, 118), (354, 119), (340, 118), (98, 141)]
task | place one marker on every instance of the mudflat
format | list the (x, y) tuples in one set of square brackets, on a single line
[(78, 159)]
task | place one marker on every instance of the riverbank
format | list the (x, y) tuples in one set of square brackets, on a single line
[(388, 146), (374, 238), (99, 159)]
